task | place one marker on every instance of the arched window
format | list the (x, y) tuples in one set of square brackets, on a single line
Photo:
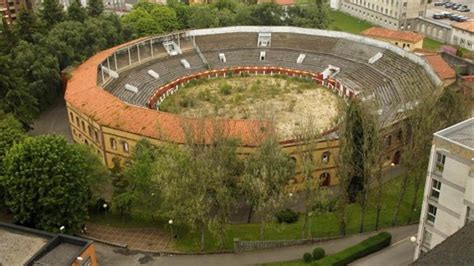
[(113, 143), (325, 179), (325, 157), (389, 140), (125, 146)]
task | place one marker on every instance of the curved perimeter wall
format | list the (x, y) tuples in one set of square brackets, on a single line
[(112, 127)]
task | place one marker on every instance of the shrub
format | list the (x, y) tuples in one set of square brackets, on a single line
[(307, 257), (318, 253), (286, 216), (225, 89), (364, 248)]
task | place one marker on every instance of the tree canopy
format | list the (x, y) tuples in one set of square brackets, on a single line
[(47, 183)]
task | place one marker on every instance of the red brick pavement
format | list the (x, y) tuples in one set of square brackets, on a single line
[(142, 239)]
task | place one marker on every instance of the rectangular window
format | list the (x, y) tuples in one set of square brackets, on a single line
[(435, 189), (440, 160), (77, 120), (431, 213)]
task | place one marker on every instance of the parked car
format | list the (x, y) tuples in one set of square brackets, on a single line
[(438, 16), (440, 3), (455, 6), (449, 5), (464, 9)]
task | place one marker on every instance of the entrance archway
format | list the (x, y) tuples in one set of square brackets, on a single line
[(396, 158)]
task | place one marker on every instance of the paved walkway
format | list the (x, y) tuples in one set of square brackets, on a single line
[(53, 121), (398, 254), (116, 256), (143, 239)]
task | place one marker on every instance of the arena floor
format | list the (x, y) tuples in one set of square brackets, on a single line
[(290, 103)]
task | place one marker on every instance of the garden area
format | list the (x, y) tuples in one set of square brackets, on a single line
[(322, 224)]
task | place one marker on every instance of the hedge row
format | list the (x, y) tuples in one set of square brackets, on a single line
[(364, 248)]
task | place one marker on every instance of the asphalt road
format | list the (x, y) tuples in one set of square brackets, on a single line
[(398, 254)]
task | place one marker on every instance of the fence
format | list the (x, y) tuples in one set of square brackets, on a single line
[(245, 246)]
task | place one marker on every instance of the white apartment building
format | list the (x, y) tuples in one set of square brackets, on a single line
[(448, 201), (463, 35), (393, 14)]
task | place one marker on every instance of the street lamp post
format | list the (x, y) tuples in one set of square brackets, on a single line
[(170, 222)]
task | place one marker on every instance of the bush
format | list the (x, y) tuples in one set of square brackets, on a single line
[(318, 253), (364, 248), (307, 257), (225, 89), (286, 216)]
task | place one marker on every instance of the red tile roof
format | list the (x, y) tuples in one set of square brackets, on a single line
[(440, 66), (467, 26), (393, 34), (285, 2), (85, 96)]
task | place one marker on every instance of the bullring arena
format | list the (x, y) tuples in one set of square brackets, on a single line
[(115, 97)]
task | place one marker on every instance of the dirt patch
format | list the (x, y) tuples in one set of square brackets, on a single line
[(288, 101)]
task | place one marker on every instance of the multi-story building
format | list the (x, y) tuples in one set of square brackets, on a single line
[(9, 9), (393, 14), (463, 35), (448, 202)]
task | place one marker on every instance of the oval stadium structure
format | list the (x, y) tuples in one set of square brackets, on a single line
[(113, 98)]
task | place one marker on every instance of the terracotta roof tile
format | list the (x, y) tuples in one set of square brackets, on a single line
[(285, 2), (393, 34), (467, 26), (440, 66)]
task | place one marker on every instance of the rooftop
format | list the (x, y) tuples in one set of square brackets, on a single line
[(458, 249), (393, 34), (440, 66), (26, 246), (461, 134), (16, 247), (467, 26)]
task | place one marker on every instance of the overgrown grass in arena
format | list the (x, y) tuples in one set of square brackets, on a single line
[(285, 100)]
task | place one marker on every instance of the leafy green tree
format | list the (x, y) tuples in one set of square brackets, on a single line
[(266, 174), (66, 41), (95, 8), (198, 180), (47, 183), (165, 17), (11, 132), (147, 19), (268, 14), (312, 15), (7, 38), (16, 99), (51, 12), (26, 25), (142, 189), (203, 17), (40, 70), (76, 11), (141, 23), (354, 134), (183, 13)]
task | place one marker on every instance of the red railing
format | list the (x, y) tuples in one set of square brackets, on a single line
[(166, 89)]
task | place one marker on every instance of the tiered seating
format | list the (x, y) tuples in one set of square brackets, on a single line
[(168, 69), (355, 50), (303, 42), (227, 41), (391, 81)]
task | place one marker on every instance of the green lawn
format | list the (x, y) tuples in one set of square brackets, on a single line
[(431, 44), (321, 226), (342, 22)]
